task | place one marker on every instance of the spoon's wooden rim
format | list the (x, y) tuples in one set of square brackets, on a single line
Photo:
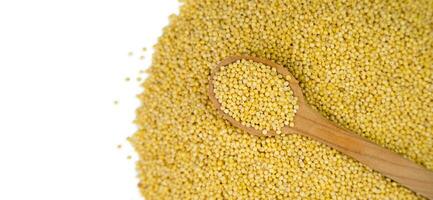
[(293, 83)]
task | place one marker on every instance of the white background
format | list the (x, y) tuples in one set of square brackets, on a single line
[(62, 65)]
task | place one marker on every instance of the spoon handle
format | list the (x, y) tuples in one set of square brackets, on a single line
[(415, 177)]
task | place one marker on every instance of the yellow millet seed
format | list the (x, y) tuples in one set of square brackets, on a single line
[(255, 94), (365, 65)]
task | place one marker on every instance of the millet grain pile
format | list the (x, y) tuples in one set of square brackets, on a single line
[(367, 65)]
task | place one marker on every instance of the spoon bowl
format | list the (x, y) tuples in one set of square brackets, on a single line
[(293, 83), (309, 122)]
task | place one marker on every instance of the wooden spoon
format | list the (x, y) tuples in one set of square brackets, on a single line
[(311, 123)]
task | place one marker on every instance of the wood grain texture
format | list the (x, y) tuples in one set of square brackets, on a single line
[(311, 123)]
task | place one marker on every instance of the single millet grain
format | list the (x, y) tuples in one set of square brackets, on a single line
[(255, 95), (366, 65)]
